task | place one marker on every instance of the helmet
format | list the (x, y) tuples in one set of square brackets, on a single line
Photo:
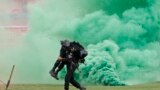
[(65, 43), (83, 53)]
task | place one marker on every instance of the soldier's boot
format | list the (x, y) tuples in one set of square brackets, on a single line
[(82, 88), (54, 74)]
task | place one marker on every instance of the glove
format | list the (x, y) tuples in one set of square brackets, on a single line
[(82, 60)]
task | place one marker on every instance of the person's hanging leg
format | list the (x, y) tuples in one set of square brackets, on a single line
[(59, 68), (52, 71)]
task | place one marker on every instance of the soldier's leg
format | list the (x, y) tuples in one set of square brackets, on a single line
[(56, 65), (53, 72), (75, 83), (67, 77), (59, 68)]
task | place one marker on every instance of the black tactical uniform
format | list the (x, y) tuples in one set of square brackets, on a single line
[(64, 51), (73, 55), (72, 64)]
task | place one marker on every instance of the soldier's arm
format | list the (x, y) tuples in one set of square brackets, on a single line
[(60, 58), (82, 60)]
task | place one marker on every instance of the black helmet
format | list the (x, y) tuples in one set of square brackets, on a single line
[(65, 43), (83, 53)]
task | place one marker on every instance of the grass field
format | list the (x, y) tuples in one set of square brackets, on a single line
[(153, 86)]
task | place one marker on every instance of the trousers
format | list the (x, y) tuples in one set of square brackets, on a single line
[(69, 78)]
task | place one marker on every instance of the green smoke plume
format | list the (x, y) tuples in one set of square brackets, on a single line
[(133, 30), (121, 36), (136, 34)]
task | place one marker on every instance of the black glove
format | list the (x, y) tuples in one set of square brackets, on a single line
[(82, 60)]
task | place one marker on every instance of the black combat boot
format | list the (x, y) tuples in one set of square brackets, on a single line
[(54, 74), (82, 88)]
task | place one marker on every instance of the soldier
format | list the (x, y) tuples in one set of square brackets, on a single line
[(65, 49), (75, 55)]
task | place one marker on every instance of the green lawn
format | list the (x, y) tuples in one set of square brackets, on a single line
[(154, 86)]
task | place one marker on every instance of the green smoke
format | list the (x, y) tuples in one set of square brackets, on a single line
[(134, 29), (121, 36), (100, 68), (136, 34)]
